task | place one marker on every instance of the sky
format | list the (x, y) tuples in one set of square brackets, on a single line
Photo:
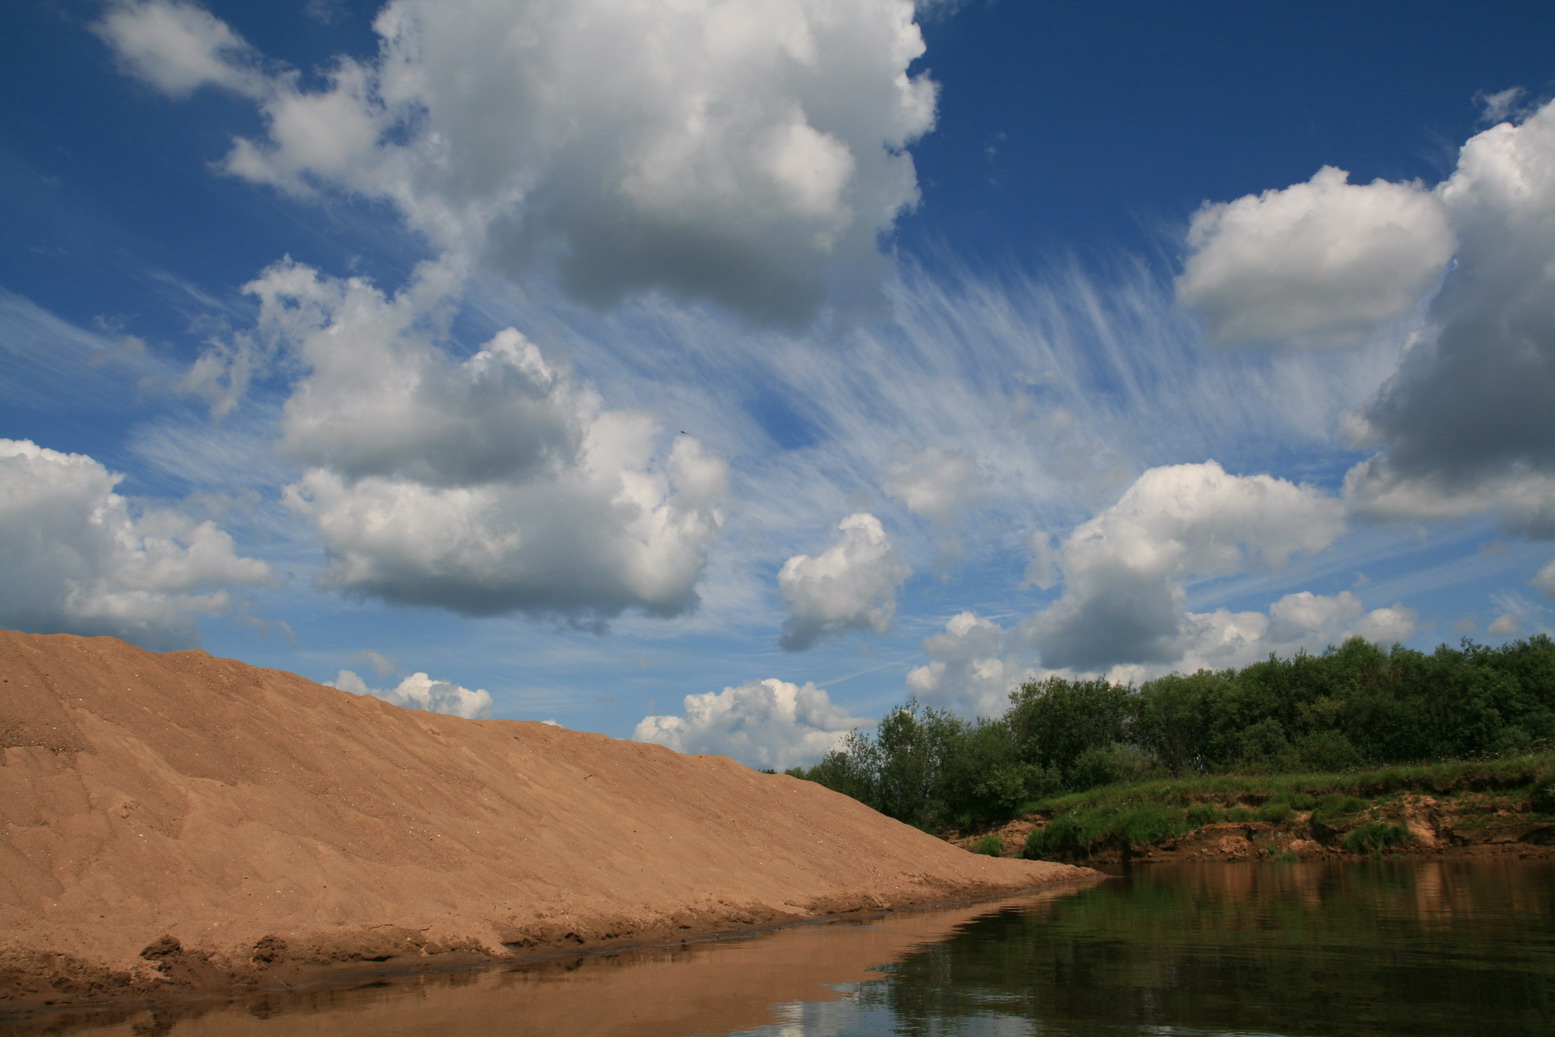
[(725, 374)]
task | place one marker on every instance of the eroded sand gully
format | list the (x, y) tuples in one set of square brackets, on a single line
[(179, 820)]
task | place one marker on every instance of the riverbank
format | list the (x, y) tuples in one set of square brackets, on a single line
[(177, 823), (1464, 808)]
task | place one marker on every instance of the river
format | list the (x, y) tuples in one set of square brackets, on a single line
[(1449, 947)]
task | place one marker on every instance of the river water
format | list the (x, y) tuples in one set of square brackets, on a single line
[(1372, 948)]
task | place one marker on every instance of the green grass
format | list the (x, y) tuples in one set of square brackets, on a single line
[(1304, 791), (1198, 815), (1152, 812)]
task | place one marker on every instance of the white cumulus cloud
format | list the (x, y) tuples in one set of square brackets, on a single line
[(969, 669), (1326, 260), (850, 586), (768, 723), (80, 558), (488, 484), (1302, 621), (418, 691), (1124, 570), (975, 663), (746, 154)]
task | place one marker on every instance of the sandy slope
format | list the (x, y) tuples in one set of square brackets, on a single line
[(180, 817)]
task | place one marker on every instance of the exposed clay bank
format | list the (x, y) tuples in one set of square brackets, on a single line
[(184, 822)]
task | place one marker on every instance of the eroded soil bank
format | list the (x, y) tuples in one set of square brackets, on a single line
[(1469, 823), (175, 822)]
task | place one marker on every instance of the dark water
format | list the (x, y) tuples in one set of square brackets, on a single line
[(1380, 948), (1336, 949)]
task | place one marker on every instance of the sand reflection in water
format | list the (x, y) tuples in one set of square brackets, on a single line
[(709, 987)]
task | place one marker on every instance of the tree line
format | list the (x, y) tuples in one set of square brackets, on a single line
[(1351, 706)]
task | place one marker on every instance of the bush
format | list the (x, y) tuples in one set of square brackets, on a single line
[(1079, 832), (1074, 833), (1059, 837), (1274, 811), (1148, 824), (1376, 836), (990, 846)]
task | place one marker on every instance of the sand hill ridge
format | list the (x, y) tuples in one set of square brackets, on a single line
[(176, 818)]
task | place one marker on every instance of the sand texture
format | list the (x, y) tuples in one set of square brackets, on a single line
[(174, 821)]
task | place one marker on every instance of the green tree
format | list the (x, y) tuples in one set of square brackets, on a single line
[(1177, 719), (1057, 719)]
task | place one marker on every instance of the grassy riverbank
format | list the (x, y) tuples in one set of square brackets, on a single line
[(1507, 805), (1352, 708)]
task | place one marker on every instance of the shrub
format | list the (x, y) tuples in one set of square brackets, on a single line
[(1074, 833), (989, 845), (1376, 836), (1059, 837), (1274, 811)]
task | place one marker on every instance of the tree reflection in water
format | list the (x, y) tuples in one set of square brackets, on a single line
[(1438, 947)]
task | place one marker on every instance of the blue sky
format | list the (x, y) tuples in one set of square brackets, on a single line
[(725, 374)]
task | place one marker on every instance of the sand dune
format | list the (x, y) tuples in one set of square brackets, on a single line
[(177, 819)]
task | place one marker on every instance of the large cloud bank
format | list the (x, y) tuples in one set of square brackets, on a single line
[(1467, 422), (80, 558), (768, 723), (1469, 419), (1124, 598), (747, 154)]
